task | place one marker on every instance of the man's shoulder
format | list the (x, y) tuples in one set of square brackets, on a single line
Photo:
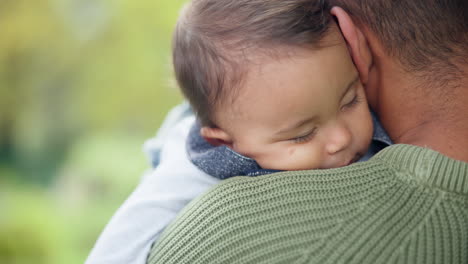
[(369, 212)]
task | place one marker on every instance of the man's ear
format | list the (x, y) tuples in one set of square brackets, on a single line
[(216, 136), (357, 43)]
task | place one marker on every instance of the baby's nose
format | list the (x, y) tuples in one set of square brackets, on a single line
[(340, 139)]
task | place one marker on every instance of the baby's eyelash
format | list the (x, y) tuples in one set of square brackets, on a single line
[(306, 137), (356, 100)]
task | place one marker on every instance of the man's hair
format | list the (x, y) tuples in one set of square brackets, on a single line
[(426, 36), (214, 38)]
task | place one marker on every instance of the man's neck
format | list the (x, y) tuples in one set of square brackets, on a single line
[(422, 118), (448, 139)]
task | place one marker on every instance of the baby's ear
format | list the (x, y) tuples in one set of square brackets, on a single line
[(216, 136), (357, 42)]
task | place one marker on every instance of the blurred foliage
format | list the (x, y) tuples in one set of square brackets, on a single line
[(82, 84)]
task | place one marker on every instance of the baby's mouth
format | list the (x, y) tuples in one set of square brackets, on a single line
[(356, 158), (353, 160)]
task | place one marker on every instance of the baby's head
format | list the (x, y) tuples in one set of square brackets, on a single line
[(272, 80)]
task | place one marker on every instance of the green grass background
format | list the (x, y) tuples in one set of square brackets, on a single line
[(82, 84)]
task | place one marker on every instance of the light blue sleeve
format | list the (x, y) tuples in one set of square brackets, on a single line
[(163, 191), (153, 146)]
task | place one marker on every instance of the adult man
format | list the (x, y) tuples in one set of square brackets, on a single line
[(409, 204)]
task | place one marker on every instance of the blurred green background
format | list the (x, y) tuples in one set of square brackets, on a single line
[(82, 84)]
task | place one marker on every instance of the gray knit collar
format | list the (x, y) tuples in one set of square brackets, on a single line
[(222, 162), (380, 134)]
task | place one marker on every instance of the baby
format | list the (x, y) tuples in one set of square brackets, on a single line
[(273, 88), (274, 82)]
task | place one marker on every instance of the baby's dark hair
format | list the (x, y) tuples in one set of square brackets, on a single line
[(213, 39)]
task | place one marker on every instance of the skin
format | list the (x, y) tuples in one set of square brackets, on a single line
[(307, 110), (413, 110)]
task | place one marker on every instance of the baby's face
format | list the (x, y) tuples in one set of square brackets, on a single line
[(304, 111)]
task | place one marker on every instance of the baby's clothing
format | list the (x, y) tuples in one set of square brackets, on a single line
[(161, 194), (184, 167)]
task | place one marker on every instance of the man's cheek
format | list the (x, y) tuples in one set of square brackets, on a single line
[(371, 94), (371, 88)]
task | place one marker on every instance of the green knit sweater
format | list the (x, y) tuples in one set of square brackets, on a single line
[(405, 205)]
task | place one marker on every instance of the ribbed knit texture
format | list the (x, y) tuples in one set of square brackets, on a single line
[(406, 205)]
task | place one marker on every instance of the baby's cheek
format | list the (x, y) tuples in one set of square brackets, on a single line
[(369, 128), (284, 159), (305, 157), (291, 151), (295, 157), (272, 162)]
